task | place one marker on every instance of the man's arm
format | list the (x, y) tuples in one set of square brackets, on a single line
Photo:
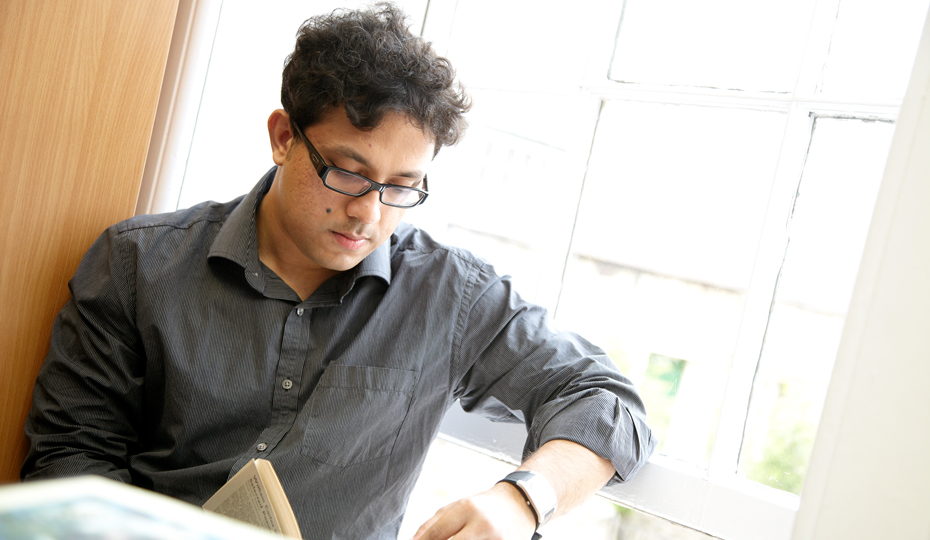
[(87, 396), (586, 424), (501, 512)]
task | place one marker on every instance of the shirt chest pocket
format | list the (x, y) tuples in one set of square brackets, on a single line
[(356, 413)]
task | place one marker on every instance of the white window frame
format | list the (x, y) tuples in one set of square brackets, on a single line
[(715, 501), (178, 105)]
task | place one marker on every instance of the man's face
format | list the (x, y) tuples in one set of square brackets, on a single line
[(330, 230)]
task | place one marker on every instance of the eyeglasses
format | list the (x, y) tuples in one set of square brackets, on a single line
[(356, 185)]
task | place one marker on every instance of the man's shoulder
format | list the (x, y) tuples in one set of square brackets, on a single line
[(180, 220), (410, 242), (174, 235)]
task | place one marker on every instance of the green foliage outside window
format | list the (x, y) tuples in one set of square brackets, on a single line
[(788, 444)]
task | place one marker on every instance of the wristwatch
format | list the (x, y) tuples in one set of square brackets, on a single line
[(540, 496)]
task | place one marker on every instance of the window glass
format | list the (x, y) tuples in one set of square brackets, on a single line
[(679, 191), (731, 44), (541, 45), (507, 191), (666, 233), (827, 233), (872, 48)]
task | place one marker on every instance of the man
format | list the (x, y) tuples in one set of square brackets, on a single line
[(305, 324)]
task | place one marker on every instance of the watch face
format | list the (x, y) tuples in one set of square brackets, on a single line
[(537, 491), (521, 476)]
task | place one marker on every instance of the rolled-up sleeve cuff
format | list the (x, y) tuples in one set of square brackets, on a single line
[(601, 423)]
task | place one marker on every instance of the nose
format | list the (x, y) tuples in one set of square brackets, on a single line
[(366, 208)]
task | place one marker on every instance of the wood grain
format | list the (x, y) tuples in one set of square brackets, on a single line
[(78, 92)]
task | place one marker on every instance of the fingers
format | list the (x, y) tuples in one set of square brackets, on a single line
[(443, 525), (426, 526), (492, 515)]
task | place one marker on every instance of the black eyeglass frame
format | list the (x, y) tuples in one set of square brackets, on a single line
[(322, 170)]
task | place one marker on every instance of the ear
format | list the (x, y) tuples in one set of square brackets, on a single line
[(279, 131)]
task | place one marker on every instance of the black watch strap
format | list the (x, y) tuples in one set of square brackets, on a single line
[(538, 494), (526, 498)]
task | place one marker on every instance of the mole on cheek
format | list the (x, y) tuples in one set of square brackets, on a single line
[(329, 210)]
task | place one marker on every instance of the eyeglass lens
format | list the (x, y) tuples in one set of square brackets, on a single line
[(356, 185)]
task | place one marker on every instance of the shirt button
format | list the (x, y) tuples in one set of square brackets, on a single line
[(261, 447), (300, 311), (287, 384)]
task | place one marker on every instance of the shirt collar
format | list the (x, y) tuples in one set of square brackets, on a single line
[(237, 241), (377, 263)]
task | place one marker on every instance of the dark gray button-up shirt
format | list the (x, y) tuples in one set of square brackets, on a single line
[(180, 356)]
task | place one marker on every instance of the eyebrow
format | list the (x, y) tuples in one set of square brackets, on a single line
[(348, 152)]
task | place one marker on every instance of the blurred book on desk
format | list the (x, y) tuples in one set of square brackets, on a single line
[(93, 507)]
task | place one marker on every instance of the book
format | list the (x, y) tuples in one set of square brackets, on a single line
[(254, 495), (95, 507)]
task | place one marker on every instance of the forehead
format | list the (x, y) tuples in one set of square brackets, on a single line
[(336, 119), (394, 143)]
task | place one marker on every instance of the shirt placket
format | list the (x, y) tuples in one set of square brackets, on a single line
[(295, 343)]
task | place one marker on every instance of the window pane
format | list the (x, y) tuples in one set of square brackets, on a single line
[(679, 191), (719, 44), (669, 222), (827, 233), (539, 44), (508, 190), (872, 49)]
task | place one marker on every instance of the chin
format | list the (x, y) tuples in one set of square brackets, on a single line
[(343, 264)]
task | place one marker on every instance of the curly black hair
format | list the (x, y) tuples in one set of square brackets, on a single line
[(369, 62)]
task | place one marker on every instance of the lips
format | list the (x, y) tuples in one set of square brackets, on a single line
[(350, 241)]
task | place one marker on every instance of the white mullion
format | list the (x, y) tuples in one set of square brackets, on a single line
[(587, 116), (883, 109), (689, 95), (438, 22), (557, 257), (769, 257), (817, 48), (761, 101), (772, 245)]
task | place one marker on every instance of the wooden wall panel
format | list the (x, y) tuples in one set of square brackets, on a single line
[(78, 93)]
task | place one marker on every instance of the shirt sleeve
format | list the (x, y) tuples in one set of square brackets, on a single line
[(510, 363), (87, 397)]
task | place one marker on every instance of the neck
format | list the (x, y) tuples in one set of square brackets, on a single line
[(278, 252)]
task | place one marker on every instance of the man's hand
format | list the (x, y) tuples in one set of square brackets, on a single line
[(500, 513)]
